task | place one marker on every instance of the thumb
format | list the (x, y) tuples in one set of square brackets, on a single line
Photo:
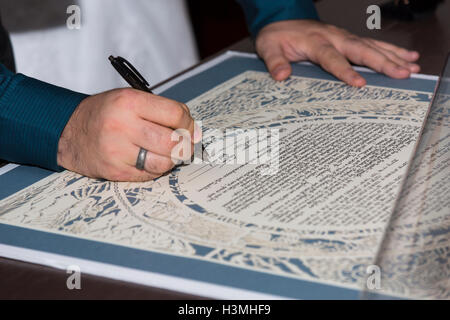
[(276, 62)]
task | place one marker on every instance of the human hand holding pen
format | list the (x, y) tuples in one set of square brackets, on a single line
[(130, 74), (105, 133)]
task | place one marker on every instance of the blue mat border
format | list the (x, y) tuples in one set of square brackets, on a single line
[(189, 268)]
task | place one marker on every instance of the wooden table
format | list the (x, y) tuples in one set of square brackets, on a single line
[(430, 36)]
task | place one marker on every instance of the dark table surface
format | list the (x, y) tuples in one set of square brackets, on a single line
[(430, 36)]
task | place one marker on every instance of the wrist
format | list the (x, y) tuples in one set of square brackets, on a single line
[(66, 144)]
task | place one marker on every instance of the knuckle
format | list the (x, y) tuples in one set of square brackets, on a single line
[(151, 134), (171, 140), (352, 39), (328, 50), (178, 115), (318, 38), (125, 98), (368, 40), (110, 124), (389, 64), (333, 28), (186, 109), (160, 165), (159, 137), (127, 93), (381, 60), (327, 55), (166, 165), (354, 43)]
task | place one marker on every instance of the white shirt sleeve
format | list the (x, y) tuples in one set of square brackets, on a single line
[(156, 36)]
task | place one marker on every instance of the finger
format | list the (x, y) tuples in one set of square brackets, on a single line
[(360, 53), (135, 175), (276, 62), (127, 172), (413, 67), (166, 112), (156, 138), (154, 163), (403, 53), (334, 62)]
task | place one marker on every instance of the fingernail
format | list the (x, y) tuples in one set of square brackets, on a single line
[(279, 72), (197, 133), (414, 54), (358, 81), (414, 67)]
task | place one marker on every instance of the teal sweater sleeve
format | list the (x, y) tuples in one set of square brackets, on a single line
[(262, 12), (33, 115)]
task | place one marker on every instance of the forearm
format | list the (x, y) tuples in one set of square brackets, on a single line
[(33, 115)]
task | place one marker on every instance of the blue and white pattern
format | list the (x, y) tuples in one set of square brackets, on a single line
[(322, 218)]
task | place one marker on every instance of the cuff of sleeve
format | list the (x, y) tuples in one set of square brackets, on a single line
[(36, 114), (269, 11)]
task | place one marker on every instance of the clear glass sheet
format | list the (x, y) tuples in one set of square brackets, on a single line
[(414, 257)]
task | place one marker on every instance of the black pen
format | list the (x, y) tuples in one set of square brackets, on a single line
[(137, 81)]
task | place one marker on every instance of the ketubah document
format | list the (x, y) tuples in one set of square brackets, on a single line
[(309, 224)]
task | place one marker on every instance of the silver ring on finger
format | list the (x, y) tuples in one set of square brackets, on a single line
[(140, 161)]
